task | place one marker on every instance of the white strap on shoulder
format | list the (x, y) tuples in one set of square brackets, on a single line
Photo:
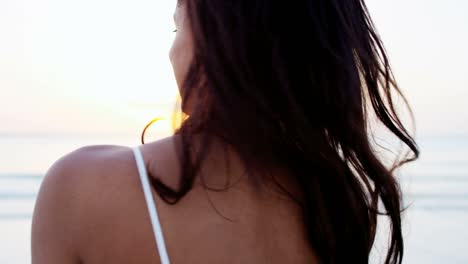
[(153, 212)]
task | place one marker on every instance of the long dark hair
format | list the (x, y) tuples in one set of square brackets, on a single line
[(295, 84)]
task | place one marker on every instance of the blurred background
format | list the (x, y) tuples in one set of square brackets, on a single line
[(75, 73)]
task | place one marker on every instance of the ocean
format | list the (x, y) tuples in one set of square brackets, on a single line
[(435, 191)]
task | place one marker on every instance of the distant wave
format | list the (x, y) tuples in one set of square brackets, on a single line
[(424, 178), (15, 217), (21, 177), (17, 196)]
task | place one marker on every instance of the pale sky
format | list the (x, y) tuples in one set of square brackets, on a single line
[(101, 66)]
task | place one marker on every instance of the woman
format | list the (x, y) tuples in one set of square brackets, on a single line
[(274, 164)]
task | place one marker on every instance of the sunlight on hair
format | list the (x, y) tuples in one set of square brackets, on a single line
[(178, 116), (174, 119), (148, 126)]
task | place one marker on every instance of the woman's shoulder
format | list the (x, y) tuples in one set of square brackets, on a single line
[(82, 176), (62, 205), (93, 171), (83, 168), (90, 186), (91, 164)]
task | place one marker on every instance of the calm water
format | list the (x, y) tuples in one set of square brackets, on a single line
[(436, 189)]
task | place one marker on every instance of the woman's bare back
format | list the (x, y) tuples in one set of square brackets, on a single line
[(92, 201)]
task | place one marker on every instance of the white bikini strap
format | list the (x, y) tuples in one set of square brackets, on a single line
[(153, 212)]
